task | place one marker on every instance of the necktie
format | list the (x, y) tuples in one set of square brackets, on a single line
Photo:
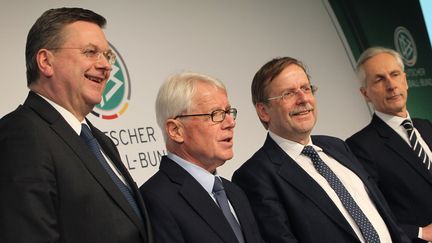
[(368, 231), (222, 200), (94, 147), (415, 144)]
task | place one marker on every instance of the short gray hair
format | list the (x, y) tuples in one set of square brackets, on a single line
[(176, 93), (371, 52)]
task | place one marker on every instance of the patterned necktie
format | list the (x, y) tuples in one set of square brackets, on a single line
[(415, 145), (368, 231), (94, 147), (222, 200)]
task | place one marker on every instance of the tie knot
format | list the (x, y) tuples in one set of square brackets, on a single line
[(217, 186), (407, 124), (309, 151), (86, 133)]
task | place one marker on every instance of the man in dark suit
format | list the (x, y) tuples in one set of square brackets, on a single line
[(384, 146), (305, 188), (56, 186), (185, 197)]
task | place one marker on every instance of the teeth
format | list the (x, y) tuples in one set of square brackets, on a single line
[(299, 112), (94, 79)]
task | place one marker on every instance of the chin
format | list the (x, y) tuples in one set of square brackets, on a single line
[(94, 99), (226, 157), (229, 157)]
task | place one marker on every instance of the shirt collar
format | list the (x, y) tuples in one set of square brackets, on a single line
[(204, 178), (293, 149), (391, 120), (67, 115)]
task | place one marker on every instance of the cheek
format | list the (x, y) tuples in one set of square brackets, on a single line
[(201, 136), (285, 111), (405, 85), (372, 94), (315, 114)]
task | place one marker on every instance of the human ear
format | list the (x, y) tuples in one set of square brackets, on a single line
[(44, 59), (174, 130), (261, 110)]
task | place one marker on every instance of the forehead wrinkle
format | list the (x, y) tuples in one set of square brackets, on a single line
[(206, 99)]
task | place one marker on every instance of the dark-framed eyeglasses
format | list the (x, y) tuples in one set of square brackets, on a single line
[(216, 115), (94, 53), (290, 94)]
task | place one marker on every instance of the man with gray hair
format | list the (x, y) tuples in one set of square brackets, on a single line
[(187, 200), (395, 148)]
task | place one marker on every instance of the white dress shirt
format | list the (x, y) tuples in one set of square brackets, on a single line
[(349, 179)]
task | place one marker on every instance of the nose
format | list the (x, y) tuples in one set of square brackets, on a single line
[(391, 83), (103, 63), (301, 97), (228, 122)]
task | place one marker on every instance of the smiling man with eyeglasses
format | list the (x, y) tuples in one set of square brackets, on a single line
[(306, 188), (61, 179), (187, 200)]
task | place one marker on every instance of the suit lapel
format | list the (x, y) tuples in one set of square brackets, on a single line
[(355, 168), (425, 130), (240, 211), (199, 200), (113, 155), (291, 172), (368, 182), (394, 142), (344, 160), (75, 143)]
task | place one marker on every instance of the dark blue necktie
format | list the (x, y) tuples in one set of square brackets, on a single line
[(368, 231), (418, 149), (95, 148), (222, 200)]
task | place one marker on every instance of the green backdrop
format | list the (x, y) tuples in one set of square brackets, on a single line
[(398, 25)]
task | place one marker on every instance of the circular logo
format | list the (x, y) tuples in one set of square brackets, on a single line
[(405, 45), (116, 96)]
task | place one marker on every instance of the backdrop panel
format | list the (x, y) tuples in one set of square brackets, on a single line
[(226, 39), (396, 24)]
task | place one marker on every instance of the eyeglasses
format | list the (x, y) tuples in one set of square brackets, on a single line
[(216, 115), (288, 95), (93, 52)]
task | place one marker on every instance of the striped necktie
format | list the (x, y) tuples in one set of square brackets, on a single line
[(415, 145)]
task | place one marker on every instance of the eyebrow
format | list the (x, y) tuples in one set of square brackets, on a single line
[(96, 47)]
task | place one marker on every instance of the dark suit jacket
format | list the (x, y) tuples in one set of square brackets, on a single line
[(181, 210), (291, 207), (400, 175), (53, 189)]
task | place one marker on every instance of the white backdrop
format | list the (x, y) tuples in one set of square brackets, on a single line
[(227, 39)]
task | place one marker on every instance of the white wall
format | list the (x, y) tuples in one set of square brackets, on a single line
[(227, 39)]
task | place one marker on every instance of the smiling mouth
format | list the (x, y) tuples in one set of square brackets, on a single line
[(301, 112), (94, 79)]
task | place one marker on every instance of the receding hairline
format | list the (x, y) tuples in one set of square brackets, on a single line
[(371, 53)]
